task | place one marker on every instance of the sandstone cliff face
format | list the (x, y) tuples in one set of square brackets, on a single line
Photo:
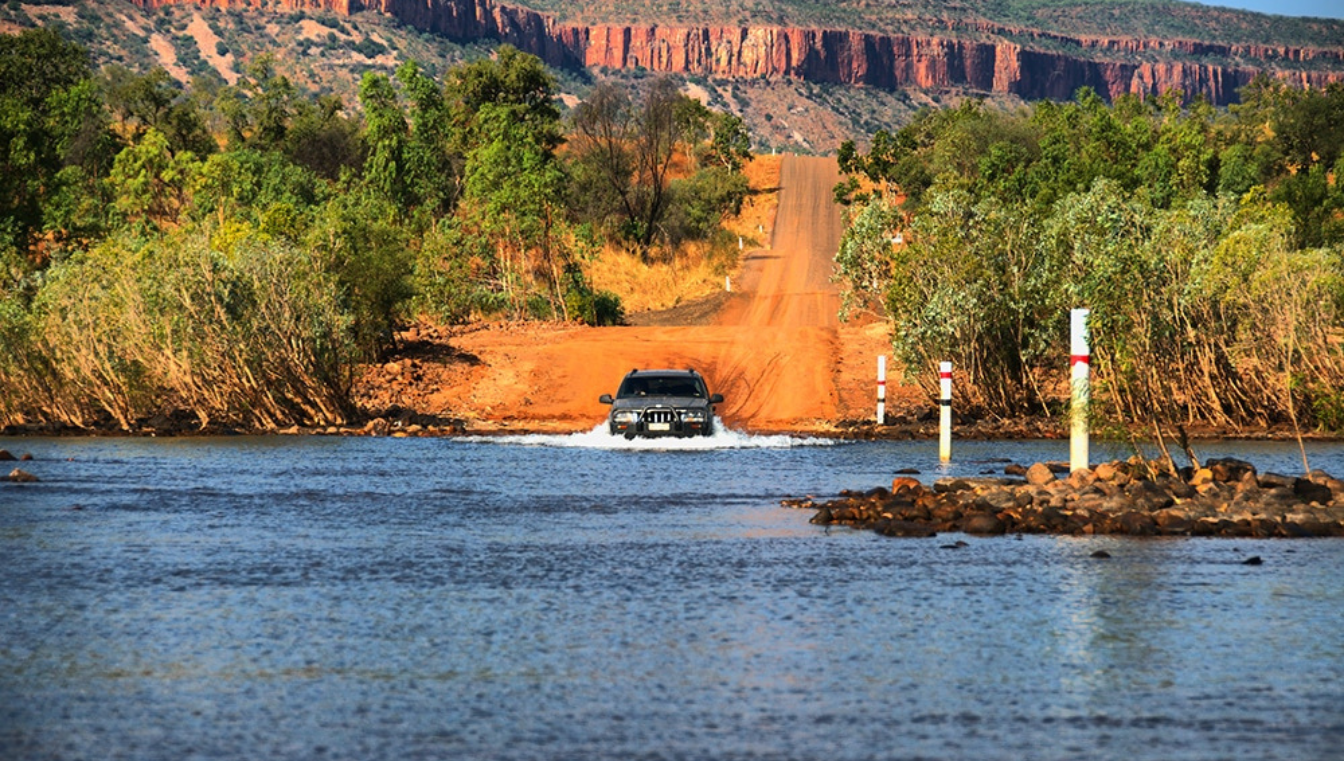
[(982, 57)]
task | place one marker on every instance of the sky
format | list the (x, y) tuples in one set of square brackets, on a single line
[(1330, 9)]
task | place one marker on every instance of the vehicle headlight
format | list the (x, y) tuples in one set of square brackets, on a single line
[(625, 417), (693, 417)]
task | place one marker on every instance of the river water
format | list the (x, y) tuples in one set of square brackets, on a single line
[(581, 597)]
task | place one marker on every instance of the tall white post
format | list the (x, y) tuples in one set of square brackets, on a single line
[(1080, 364), (881, 389), (945, 411), (728, 283)]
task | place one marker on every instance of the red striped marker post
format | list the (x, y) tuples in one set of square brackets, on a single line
[(1080, 364), (881, 389), (945, 411)]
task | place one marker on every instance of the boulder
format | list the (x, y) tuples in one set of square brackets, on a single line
[(1039, 474), (1172, 523), (1229, 470), (983, 524), (1113, 472), (1148, 496), (996, 501), (1016, 470), (6, 455), (1081, 478), (905, 529), (1274, 480), (1309, 491), (955, 484), (945, 510), (19, 476), (908, 485)]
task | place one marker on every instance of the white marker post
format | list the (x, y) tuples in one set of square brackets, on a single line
[(1080, 364), (739, 242), (881, 389), (728, 283), (945, 411)]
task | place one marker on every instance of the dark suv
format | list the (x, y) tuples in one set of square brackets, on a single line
[(662, 404)]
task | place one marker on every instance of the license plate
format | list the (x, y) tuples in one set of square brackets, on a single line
[(660, 427)]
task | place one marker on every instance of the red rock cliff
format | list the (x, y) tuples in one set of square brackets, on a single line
[(979, 56)]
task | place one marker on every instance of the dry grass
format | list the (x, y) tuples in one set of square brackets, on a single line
[(663, 284), (696, 269)]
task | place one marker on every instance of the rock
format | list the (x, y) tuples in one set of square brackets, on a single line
[(1253, 561), (1113, 472), (1039, 474), (1172, 523), (1279, 496), (907, 471), (1081, 478), (945, 510), (1148, 496), (955, 545), (1180, 490), (1101, 554), (6, 455), (1135, 524), (1310, 491), (1229, 470), (378, 427), (904, 529), (983, 524), (908, 485), (19, 476), (1016, 470), (956, 484), (1203, 477), (996, 501), (823, 517), (1274, 480)]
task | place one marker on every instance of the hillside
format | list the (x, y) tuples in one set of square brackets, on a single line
[(787, 66)]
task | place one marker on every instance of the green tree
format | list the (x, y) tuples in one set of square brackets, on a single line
[(42, 118), (149, 183), (386, 137)]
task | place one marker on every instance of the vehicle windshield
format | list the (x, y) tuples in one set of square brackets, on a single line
[(662, 386)]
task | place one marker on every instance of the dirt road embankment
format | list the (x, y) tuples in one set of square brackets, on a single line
[(774, 347)]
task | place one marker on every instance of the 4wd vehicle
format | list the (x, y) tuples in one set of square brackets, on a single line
[(661, 404)]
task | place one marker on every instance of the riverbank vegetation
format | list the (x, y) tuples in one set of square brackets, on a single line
[(230, 253), (1209, 247)]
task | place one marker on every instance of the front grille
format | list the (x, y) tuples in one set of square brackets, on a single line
[(659, 416)]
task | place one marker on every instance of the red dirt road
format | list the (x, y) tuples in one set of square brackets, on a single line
[(776, 350)]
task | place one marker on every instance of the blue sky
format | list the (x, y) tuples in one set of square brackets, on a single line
[(1331, 9)]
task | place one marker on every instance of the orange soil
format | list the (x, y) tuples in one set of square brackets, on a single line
[(776, 349)]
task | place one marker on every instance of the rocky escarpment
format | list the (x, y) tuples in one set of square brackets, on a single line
[(975, 56)]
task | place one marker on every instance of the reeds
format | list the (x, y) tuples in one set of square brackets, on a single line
[(254, 337)]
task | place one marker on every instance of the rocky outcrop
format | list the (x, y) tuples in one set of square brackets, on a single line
[(1227, 497), (974, 56)]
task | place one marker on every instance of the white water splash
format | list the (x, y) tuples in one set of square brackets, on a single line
[(600, 438)]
